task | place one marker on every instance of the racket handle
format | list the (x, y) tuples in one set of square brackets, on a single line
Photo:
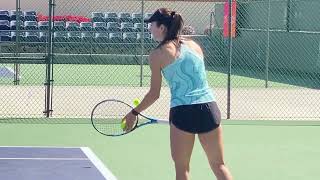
[(134, 112)]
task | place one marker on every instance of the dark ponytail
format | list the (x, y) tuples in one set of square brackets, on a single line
[(174, 24)]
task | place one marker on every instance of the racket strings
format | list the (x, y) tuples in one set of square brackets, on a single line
[(107, 117)]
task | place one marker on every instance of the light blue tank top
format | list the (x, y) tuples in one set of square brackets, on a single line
[(187, 79)]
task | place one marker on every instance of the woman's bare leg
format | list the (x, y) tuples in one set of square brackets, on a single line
[(181, 149), (212, 143)]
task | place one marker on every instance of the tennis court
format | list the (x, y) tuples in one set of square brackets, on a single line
[(266, 83), (51, 163), (253, 150)]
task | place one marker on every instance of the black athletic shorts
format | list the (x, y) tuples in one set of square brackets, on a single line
[(196, 118)]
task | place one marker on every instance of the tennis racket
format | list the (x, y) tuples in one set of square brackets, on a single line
[(107, 116)]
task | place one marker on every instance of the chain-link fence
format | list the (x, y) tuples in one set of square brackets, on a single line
[(72, 54)]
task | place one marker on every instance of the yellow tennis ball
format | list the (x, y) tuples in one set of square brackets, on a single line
[(136, 102), (123, 124)]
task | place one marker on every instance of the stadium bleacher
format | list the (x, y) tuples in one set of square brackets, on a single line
[(148, 15), (4, 15), (126, 27), (13, 15), (14, 36), (60, 36), (5, 36), (130, 37), (113, 27), (111, 17), (99, 26), (32, 37), (74, 37), (147, 37), (59, 26), (108, 27), (125, 17), (72, 26), (86, 26), (87, 37), (31, 25), (43, 25), (101, 37), (43, 36), (97, 17), (13, 25), (115, 37), (30, 16), (137, 27), (4, 25), (136, 17)]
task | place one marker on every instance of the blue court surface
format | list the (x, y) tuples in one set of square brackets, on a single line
[(51, 163)]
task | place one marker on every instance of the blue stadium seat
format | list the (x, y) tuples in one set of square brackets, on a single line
[(147, 15), (137, 27), (60, 36), (43, 25), (13, 25), (72, 26), (13, 15), (30, 13), (4, 15), (4, 25), (30, 25), (125, 17), (32, 37), (113, 27), (115, 37), (86, 26), (97, 17), (43, 36), (99, 26), (87, 36), (111, 17), (136, 17), (101, 37), (126, 27), (21, 36), (5, 36), (147, 37), (59, 26), (30, 16), (74, 36), (129, 37)]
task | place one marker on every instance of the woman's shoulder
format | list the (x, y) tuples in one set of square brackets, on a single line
[(165, 50), (193, 45), (159, 53)]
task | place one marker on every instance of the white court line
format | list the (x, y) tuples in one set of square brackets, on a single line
[(99, 165), (48, 159), (86, 150), (56, 147)]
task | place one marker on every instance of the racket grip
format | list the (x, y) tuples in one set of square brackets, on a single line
[(134, 112)]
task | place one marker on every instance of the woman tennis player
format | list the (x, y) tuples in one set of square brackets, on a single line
[(193, 109)]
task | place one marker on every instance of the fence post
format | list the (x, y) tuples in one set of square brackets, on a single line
[(48, 84), (230, 57), (268, 47), (16, 54), (142, 43)]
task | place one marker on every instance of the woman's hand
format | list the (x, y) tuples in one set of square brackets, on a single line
[(131, 121)]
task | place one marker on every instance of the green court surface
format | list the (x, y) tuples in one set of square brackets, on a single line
[(253, 151), (119, 75)]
